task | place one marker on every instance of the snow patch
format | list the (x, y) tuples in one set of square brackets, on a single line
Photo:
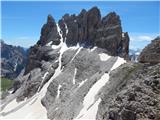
[(89, 99), (104, 56), (137, 53), (92, 112), (44, 76), (15, 67), (119, 62), (66, 28), (80, 84), (25, 109), (75, 72), (123, 35), (49, 44), (10, 91), (91, 50), (79, 49), (61, 38), (90, 104), (58, 93), (32, 108)]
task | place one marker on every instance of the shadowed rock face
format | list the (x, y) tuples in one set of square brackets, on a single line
[(49, 32), (88, 29), (13, 60), (89, 67), (67, 75), (151, 53), (39, 51), (81, 28)]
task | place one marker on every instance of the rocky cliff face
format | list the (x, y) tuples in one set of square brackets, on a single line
[(151, 53), (133, 95), (87, 29), (13, 60), (71, 74), (69, 67), (40, 52)]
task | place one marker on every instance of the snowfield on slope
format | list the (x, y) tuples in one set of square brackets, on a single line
[(104, 57), (90, 104), (32, 108)]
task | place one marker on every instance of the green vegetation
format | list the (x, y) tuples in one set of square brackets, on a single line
[(132, 70), (5, 84)]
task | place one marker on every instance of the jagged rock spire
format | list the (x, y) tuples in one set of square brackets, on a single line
[(50, 19), (88, 29), (49, 32)]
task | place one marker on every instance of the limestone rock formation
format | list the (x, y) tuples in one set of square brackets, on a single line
[(133, 95), (151, 53), (13, 60), (87, 29), (39, 52), (86, 68), (69, 67), (133, 92), (49, 32)]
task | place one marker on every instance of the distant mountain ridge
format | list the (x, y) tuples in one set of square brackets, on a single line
[(13, 60), (134, 54)]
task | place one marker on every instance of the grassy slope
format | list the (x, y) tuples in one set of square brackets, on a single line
[(5, 84)]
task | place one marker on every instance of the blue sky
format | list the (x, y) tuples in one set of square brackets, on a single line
[(22, 21)]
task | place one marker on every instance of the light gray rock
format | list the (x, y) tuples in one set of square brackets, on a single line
[(69, 101), (133, 95)]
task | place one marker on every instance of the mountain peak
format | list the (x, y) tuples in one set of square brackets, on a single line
[(86, 29), (94, 9), (111, 19), (50, 19)]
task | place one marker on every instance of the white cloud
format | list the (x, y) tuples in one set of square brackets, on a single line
[(146, 38), (140, 40), (143, 37), (23, 38)]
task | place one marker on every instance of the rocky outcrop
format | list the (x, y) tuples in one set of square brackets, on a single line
[(133, 95), (110, 34), (69, 62), (66, 92), (151, 53), (40, 52), (49, 33), (82, 28), (88, 29), (13, 60)]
